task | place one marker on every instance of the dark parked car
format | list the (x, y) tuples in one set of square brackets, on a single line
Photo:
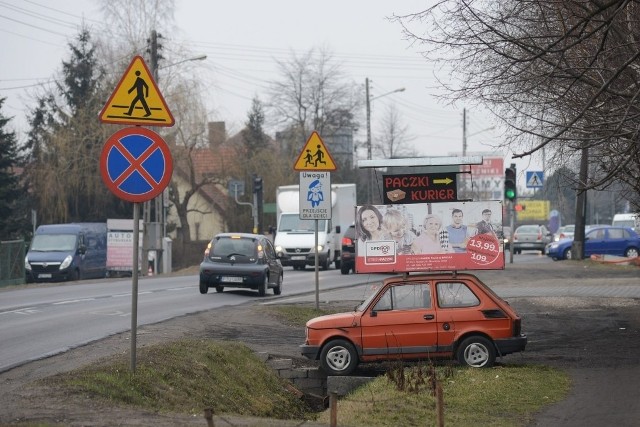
[(241, 260), (348, 252), (600, 240), (531, 237)]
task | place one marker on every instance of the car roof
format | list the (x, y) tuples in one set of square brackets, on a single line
[(241, 235)]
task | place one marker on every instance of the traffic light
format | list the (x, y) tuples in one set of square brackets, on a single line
[(257, 184), (510, 191)]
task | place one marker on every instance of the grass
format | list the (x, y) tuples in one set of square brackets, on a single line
[(187, 376), (500, 396)]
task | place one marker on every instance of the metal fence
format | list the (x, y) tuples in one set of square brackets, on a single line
[(12, 262)]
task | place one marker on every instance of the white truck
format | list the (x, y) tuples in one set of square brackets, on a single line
[(295, 237)]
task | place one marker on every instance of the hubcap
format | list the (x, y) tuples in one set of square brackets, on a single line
[(338, 358), (476, 355)]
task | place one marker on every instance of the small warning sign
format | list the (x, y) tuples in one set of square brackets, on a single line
[(314, 156), (137, 100)]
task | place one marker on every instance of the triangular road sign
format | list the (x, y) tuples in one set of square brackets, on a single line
[(314, 156), (137, 100)]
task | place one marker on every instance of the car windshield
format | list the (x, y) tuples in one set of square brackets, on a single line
[(226, 246), (53, 242), (293, 222), (370, 292)]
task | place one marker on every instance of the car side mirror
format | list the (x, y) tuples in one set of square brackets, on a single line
[(337, 229), (82, 249)]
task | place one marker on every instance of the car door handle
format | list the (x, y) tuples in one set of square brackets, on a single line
[(428, 317)]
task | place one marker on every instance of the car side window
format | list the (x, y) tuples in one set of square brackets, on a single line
[(405, 297), (455, 294), (268, 249), (616, 233)]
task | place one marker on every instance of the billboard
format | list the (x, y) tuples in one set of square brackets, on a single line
[(534, 210), (429, 237)]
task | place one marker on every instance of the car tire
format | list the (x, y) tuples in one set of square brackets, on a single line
[(476, 352), (338, 357), (262, 290), (74, 275), (219, 289), (204, 288), (325, 264), (631, 253), (543, 251), (344, 269), (567, 254), (277, 290)]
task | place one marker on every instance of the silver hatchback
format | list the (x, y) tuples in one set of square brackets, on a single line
[(531, 238)]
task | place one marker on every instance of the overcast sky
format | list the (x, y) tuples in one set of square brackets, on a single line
[(241, 40)]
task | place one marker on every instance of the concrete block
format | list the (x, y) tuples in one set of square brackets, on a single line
[(278, 364), (262, 355)]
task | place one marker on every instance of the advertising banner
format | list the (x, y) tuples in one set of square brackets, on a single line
[(429, 237)]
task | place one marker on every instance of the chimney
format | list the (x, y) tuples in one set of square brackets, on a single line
[(217, 134)]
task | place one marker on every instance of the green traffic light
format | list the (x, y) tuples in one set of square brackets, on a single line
[(510, 194)]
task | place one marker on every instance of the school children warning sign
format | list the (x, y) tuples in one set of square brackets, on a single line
[(314, 156)]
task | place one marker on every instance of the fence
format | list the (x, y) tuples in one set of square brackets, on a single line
[(12, 262)]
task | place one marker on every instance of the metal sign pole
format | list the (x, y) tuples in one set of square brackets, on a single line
[(134, 284), (317, 273)]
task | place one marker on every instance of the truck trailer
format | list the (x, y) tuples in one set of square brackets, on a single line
[(295, 237)]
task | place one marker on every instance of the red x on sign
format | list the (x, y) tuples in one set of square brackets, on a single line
[(136, 164)]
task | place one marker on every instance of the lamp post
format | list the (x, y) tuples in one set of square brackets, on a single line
[(369, 147), (159, 224)]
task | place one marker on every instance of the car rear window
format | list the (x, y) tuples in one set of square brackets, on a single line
[(225, 246), (528, 229)]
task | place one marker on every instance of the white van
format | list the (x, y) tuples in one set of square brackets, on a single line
[(627, 220)]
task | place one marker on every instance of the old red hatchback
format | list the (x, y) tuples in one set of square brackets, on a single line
[(418, 317)]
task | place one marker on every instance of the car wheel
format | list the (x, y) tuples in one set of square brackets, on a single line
[(338, 263), (543, 251), (476, 352), (325, 264), (219, 289), (631, 253), (344, 269), (567, 254), (74, 275), (262, 290), (278, 289), (339, 357), (204, 288)]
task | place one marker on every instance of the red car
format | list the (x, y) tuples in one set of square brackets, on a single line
[(418, 317)]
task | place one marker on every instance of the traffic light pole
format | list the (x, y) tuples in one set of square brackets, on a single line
[(512, 223)]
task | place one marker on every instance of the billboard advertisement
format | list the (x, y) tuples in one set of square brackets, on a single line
[(429, 237)]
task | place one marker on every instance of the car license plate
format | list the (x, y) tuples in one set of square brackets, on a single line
[(44, 276), (527, 244), (231, 279), (298, 258)]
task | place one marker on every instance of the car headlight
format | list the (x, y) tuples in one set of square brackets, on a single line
[(279, 248), (27, 266), (320, 248), (66, 263)]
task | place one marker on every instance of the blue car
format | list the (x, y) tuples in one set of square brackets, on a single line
[(601, 240)]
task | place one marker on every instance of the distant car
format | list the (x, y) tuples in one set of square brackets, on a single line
[(564, 232), (531, 237), (505, 236), (348, 251), (418, 317), (601, 240), (241, 260)]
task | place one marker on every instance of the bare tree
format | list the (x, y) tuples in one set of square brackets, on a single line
[(393, 139), (311, 94), (561, 74)]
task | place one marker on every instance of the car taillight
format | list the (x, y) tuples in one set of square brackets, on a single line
[(515, 237), (517, 327), (347, 241), (539, 235)]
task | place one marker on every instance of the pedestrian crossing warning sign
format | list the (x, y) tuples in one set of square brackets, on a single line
[(314, 156), (137, 100)]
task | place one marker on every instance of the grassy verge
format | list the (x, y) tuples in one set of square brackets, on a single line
[(187, 376)]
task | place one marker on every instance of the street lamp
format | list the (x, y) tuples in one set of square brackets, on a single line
[(369, 148)]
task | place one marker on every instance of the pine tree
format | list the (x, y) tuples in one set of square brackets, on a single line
[(10, 191)]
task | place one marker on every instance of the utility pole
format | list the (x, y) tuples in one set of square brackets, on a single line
[(369, 151), (464, 132)]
